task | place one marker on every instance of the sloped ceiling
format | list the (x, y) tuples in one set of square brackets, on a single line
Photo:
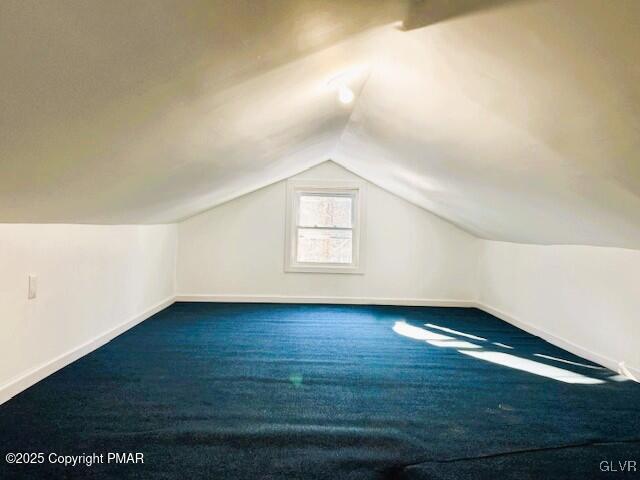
[(516, 120)]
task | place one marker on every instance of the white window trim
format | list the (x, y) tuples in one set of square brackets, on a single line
[(294, 187)]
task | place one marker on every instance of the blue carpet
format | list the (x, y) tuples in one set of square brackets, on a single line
[(233, 391)]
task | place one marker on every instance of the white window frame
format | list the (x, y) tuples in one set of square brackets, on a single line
[(298, 187)]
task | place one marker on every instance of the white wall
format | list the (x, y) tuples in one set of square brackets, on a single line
[(238, 249), (586, 299), (91, 280)]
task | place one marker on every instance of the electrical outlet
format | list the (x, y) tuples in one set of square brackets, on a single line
[(33, 287)]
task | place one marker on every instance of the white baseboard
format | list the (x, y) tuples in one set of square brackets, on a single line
[(605, 361), (25, 380), (417, 302)]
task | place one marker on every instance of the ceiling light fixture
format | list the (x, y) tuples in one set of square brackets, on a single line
[(345, 94), (340, 83)]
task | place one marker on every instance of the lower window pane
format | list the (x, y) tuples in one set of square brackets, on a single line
[(325, 246)]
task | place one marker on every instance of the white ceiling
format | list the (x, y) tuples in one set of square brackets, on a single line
[(516, 120)]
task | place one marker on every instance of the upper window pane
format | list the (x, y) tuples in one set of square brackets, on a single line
[(333, 211)]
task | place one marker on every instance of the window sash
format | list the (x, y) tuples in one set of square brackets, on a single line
[(303, 193), (333, 242), (328, 194), (297, 189)]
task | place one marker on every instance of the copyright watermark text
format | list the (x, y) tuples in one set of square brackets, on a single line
[(84, 459)]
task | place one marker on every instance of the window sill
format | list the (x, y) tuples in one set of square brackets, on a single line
[(353, 270)]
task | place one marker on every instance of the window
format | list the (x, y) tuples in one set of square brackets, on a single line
[(324, 223)]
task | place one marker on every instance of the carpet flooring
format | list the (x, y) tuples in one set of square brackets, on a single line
[(257, 391)]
